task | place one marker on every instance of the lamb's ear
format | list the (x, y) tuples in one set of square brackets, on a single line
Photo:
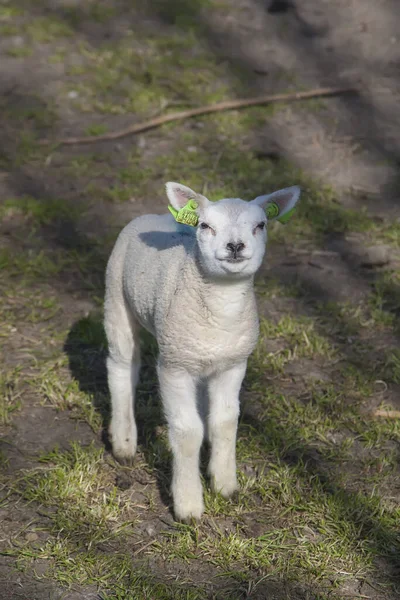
[(179, 195), (279, 204)]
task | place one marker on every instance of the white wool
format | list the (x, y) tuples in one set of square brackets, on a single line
[(192, 288)]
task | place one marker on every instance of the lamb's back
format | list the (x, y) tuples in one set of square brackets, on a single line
[(156, 252)]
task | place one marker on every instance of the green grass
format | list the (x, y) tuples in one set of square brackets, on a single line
[(129, 76), (39, 211), (39, 30), (78, 485), (54, 387), (299, 340), (10, 395), (95, 130), (43, 265)]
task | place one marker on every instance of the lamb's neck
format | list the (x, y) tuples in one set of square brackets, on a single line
[(225, 300)]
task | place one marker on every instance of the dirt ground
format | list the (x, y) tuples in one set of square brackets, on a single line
[(334, 273)]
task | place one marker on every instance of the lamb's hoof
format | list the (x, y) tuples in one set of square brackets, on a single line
[(123, 443), (227, 489), (125, 461), (189, 521), (189, 512), (124, 454)]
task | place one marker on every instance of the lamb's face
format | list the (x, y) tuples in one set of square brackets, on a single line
[(231, 236)]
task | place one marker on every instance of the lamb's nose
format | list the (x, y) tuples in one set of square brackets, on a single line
[(235, 248)]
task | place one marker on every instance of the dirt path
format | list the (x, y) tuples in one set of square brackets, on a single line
[(312, 460)]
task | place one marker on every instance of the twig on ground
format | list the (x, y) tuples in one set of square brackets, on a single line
[(388, 414), (202, 110)]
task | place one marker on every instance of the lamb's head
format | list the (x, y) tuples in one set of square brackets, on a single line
[(232, 233)]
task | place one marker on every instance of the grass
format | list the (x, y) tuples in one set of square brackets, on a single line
[(79, 487), (39, 30), (318, 505), (38, 211), (54, 387), (10, 396)]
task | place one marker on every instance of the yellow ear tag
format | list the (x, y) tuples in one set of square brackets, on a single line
[(187, 214)]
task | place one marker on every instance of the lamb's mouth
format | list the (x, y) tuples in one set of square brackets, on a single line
[(234, 261)]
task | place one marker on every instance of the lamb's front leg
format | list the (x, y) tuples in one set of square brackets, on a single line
[(178, 391), (223, 416)]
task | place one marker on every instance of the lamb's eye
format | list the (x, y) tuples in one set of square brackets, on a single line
[(204, 226), (261, 225)]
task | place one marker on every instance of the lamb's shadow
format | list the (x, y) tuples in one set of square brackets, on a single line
[(165, 240), (86, 348)]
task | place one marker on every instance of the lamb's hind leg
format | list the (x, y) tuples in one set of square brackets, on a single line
[(123, 365)]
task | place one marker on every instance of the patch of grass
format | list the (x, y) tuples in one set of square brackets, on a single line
[(78, 486), (392, 366), (88, 164), (299, 339), (180, 12), (19, 51), (114, 193), (113, 573), (304, 531), (33, 266), (384, 299), (41, 211), (54, 386), (130, 76), (97, 129), (42, 266), (21, 305), (272, 288), (9, 30), (44, 30), (7, 13), (58, 57), (389, 232), (36, 30), (10, 396)]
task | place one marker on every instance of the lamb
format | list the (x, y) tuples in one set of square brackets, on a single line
[(192, 288)]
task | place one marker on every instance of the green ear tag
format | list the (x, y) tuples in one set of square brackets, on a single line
[(272, 212), (187, 214), (285, 218)]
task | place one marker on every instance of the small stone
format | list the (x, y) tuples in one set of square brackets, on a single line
[(73, 94), (375, 256), (31, 536), (249, 470), (17, 41), (150, 530), (192, 149)]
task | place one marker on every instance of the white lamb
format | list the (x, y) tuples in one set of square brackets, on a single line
[(192, 288)]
